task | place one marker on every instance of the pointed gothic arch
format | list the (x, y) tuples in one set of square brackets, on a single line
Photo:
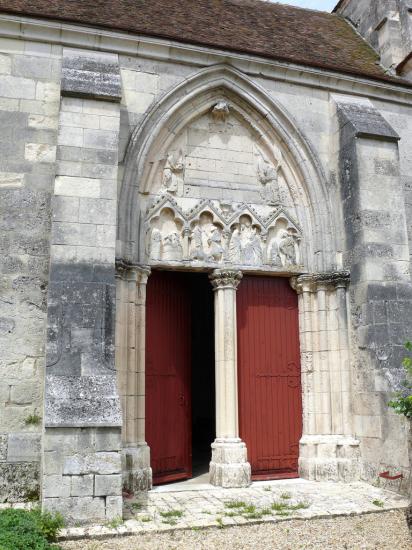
[(270, 124)]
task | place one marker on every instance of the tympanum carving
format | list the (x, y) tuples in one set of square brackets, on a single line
[(210, 232)]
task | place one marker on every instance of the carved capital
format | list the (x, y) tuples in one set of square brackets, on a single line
[(225, 278), (132, 272), (140, 274), (313, 282)]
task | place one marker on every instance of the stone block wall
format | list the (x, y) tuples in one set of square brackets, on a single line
[(82, 461), (377, 253), (29, 107), (83, 479), (384, 24), (58, 189)]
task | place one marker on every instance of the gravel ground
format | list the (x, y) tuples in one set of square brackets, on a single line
[(380, 531)]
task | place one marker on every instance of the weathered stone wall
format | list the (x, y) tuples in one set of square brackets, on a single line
[(82, 464), (378, 255), (386, 24), (82, 458), (29, 107)]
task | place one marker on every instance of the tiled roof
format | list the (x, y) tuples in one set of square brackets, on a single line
[(271, 30)]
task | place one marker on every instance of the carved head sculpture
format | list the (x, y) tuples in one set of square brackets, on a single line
[(220, 111), (205, 218), (245, 222)]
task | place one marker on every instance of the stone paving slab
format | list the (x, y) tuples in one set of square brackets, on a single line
[(273, 501)]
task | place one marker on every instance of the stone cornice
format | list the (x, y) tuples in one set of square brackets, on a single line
[(225, 278), (92, 38)]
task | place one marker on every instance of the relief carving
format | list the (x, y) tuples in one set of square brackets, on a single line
[(220, 111), (245, 244), (207, 240), (267, 173), (214, 233), (173, 174)]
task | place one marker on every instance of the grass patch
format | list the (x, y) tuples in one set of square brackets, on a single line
[(267, 488), (172, 514), (235, 504), (145, 519), (279, 506), (136, 506), (32, 420), (283, 508), (286, 496), (114, 523), (299, 506), (29, 529), (219, 522), (170, 521), (245, 510), (378, 503)]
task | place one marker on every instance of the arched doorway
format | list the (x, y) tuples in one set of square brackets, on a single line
[(219, 179)]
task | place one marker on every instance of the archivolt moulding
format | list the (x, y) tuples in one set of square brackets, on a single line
[(270, 123)]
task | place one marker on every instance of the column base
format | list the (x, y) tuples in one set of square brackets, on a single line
[(136, 470), (229, 466), (329, 458)]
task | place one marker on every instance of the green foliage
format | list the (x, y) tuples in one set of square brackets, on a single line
[(378, 503), (32, 420), (115, 523), (172, 514), (235, 504), (402, 402), (29, 530)]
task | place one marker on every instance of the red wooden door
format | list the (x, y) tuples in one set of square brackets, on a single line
[(168, 361), (270, 401)]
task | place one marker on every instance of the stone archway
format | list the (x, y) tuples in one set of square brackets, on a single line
[(256, 201)]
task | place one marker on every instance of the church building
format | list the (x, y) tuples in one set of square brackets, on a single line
[(205, 213)]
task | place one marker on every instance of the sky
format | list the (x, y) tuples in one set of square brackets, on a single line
[(325, 5)]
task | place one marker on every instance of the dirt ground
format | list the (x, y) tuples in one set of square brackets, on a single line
[(378, 531)]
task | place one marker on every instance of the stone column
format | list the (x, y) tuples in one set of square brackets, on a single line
[(130, 364), (328, 449), (229, 466)]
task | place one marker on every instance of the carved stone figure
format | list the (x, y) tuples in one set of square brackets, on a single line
[(207, 240), (268, 178), (219, 233), (156, 244), (172, 248), (245, 245), (220, 111), (172, 181), (287, 248), (274, 257)]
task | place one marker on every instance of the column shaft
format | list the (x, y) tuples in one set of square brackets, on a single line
[(137, 474), (229, 466)]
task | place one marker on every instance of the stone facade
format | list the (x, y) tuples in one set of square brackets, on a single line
[(122, 155), (387, 26)]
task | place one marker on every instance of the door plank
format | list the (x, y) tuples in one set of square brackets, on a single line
[(168, 362), (270, 400)]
